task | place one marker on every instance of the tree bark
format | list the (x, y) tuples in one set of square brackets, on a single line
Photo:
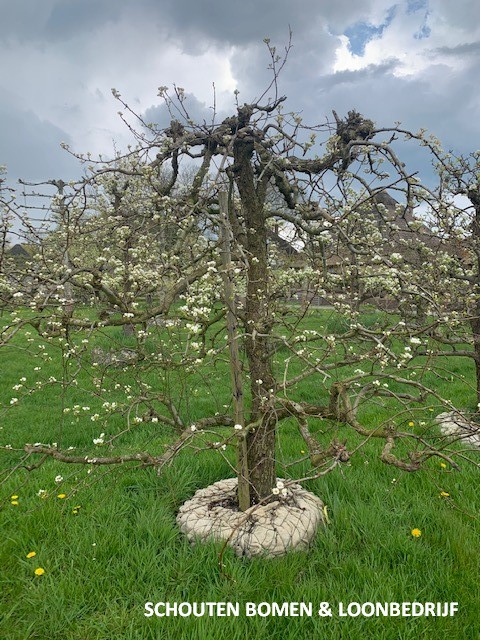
[(474, 195), (475, 325), (261, 439)]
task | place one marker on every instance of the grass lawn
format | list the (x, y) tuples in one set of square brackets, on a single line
[(111, 544)]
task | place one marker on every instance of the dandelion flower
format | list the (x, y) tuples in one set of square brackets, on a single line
[(416, 533), (62, 496), (39, 571), (14, 498), (411, 424), (32, 554), (443, 465), (14, 502), (444, 494)]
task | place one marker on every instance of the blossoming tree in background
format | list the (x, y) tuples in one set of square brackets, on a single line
[(454, 213)]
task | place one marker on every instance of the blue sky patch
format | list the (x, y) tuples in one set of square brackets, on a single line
[(362, 32), (416, 5), (424, 30)]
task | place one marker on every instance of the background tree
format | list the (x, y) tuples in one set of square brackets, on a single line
[(439, 253)]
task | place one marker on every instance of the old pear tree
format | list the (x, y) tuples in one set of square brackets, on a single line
[(147, 284)]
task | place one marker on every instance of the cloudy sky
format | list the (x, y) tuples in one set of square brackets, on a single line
[(414, 61)]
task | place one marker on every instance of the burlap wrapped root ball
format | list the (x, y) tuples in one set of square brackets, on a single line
[(287, 524), (456, 425)]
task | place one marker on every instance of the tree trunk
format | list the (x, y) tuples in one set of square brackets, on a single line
[(475, 327), (474, 195), (261, 439)]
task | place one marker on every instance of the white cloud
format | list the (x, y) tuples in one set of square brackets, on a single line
[(401, 40)]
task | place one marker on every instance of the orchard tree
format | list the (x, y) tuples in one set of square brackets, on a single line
[(441, 259), (205, 267), (455, 213)]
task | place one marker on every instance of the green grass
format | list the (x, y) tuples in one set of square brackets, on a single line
[(123, 548)]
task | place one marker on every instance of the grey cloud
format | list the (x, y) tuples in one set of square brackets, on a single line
[(31, 147), (197, 111), (461, 50), (67, 19), (195, 24), (224, 21), (371, 72), (49, 20), (463, 13), (14, 24)]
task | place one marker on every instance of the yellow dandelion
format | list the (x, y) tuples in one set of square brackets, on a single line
[(302, 451), (416, 533), (76, 509), (444, 494), (14, 502), (14, 498), (32, 554), (39, 571), (62, 496), (443, 465), (411, 424)]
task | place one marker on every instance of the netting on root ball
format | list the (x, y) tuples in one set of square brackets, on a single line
[(454, 424), (287, 524)]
